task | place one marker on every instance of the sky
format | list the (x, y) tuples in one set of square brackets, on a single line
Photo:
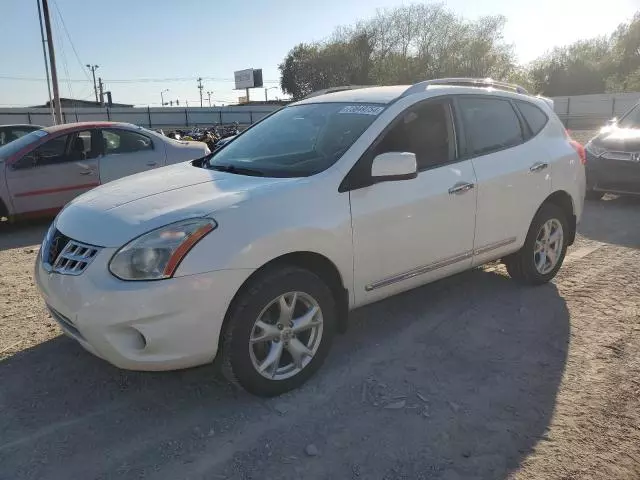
[(143, 47)]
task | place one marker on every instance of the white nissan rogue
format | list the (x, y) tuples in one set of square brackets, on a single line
[(257, 252)]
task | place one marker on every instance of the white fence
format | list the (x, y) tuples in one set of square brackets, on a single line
[(591, 111), (582, 111), (146, 117)]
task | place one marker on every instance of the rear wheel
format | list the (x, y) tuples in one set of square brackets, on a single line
[(542, 254), (279, 332)]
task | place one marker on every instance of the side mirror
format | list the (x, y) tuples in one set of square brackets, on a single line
[(392, 166)]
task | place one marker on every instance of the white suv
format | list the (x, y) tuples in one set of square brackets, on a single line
[(257, 252)]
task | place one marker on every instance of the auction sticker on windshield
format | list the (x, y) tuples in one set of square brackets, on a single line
[(362, 109)]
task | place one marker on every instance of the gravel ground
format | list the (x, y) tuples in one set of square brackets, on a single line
[(470, 377)]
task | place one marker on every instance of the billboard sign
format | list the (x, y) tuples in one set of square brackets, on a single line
[(249, 78)]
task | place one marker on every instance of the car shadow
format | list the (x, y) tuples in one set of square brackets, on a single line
[(455, 378), (614, 219), (22, 234)]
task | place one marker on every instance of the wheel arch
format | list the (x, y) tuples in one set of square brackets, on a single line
[(316, 263), (564, 201)]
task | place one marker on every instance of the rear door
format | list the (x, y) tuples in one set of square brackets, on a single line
[(127, 152), (512, 170), (46, 178)]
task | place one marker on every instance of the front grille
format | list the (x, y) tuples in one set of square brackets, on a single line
[(62, 255)]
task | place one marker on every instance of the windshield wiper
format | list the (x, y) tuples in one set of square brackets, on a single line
[(236, 170)]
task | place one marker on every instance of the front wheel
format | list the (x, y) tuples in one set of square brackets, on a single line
[(542, 254), (279, 332)]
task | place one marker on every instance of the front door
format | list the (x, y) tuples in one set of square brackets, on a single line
[(51, 175), (407, 233), (126, 153)]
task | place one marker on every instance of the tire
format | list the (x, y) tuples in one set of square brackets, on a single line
[(259, 300), (593, 195), (522, 264)]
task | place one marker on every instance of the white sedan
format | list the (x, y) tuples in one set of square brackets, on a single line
[(43, 170), (256, 253)]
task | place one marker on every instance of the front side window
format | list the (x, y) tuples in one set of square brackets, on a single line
[(14, 147), (124, 141), (84, 146), (296, 141), (49, 153), (535, 118), (490, 124), (427, 131)]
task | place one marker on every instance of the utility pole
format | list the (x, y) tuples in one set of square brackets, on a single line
[(52, 60), (46, 60), (162, 96), (101, 85), (209, 95), (93, 72), (200, 87)]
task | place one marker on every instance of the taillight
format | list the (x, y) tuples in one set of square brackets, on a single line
[(577, 146)]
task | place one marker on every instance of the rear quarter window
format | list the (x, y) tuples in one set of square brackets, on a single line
[(535, 118)]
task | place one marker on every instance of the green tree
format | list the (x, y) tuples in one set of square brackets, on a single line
[(580, 68), (401, 45), (626, 54)]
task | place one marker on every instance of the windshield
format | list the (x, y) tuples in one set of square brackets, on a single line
[(631, 119), (296, 141), (12, 147)]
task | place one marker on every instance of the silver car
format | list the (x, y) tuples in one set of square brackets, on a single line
[(43, 170)]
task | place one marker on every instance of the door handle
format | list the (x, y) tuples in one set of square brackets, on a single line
[(538, 167), (152, 164), (86, 172), (461, 187)]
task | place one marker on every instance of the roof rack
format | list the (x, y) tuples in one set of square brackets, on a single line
[(317, 93), (465, 82)]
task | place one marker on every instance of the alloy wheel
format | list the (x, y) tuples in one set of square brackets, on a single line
[(286, 335), (548, 246)]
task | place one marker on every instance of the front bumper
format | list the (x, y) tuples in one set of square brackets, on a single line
[(615, 176), (160, 325)]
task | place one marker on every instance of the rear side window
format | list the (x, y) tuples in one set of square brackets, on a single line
[(490, 124), (124, 141), (535, 118)]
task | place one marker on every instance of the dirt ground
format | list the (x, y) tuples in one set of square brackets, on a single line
[(470, 377)]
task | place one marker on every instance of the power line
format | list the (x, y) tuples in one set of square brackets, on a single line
[(127, 80), (64, 26), (64, 59)]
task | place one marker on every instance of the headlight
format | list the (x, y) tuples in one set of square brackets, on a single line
[(157, 254), (594, 150)]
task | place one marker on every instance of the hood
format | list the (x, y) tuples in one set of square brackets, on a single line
[(115, 213), (618, 139)]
